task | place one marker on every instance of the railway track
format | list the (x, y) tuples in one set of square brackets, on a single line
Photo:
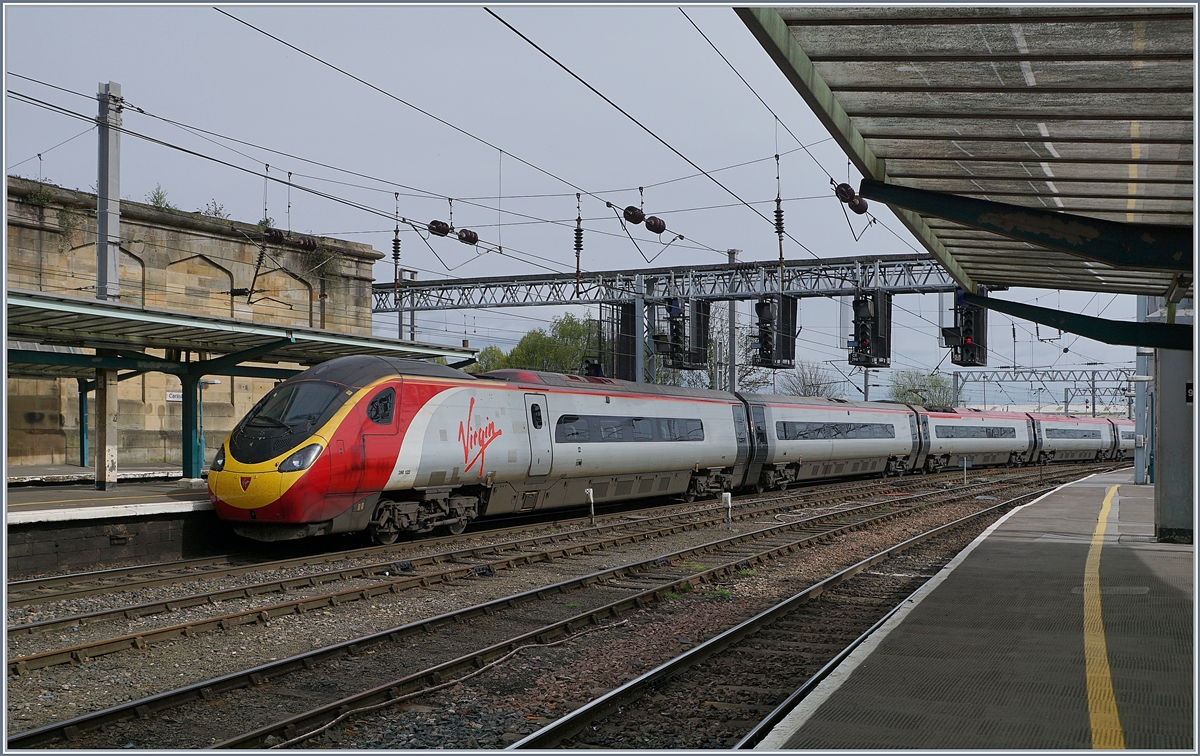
[(400, 576), (408, 659), (57, 588), (749, 677)]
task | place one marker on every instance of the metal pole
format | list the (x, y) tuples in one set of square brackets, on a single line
[(108, 191), (1093, 393), (866, 384), (639, 330), (731, 357), (591, 505), (1066, 401), (727, 500), (83, 422), (955, 389)]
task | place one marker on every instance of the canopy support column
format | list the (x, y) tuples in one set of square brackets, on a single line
[(106, 429)]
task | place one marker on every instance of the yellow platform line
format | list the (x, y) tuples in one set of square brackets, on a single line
[(1102, 703)]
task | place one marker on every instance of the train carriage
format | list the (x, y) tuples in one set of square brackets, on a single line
[(1064, 438), (393, 446), (984, 438), (803, 438)]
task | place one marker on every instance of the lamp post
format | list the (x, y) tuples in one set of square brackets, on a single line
[(200, 414)]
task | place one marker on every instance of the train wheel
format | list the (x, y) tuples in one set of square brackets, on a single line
[(689, 496), (456, 528), (384, 537)]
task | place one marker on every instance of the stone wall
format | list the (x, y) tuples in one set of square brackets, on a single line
[(169, 260)]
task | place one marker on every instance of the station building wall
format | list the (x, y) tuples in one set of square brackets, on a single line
[(172, 260)]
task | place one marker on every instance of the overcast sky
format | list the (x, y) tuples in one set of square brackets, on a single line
[(199, 67)]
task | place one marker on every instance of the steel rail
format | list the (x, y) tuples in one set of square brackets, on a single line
[(21, 665), (71, 729), (75, 579), (296, 727), (568, 725)]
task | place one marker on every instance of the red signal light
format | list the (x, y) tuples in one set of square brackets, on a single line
[(970, 340)]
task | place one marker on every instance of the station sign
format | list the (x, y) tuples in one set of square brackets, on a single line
[(174, 396)]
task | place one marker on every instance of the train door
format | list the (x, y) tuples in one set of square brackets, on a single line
[(380, 439), (926, 440), (1035, 443), (914, 457), (538, 419), (758, 420), (743, 445)]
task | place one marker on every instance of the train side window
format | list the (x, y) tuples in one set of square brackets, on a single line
[(535, 412), (643, 429), (695, 430), (572, 429), (382, 408)]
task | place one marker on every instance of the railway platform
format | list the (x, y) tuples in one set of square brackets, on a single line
[(1065, 625), (69, 527)]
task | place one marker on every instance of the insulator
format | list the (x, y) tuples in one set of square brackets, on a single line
[(467, 236), (439, 228), (578, 240), (844, 192), (307, 242), (273, 235), (396, 248), (655, 225), (634, 215), (858, 205), (779, 220)]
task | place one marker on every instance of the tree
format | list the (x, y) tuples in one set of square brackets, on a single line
[(491, 357), (809, 379), (562, 350), (915, 387), (158, 198)]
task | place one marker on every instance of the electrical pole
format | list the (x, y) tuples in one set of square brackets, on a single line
[(108, 252), (732, 356), (866, 384), (108, 183)]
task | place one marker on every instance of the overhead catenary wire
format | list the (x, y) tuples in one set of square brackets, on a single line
[(416, 192), (520, 255), (645, 128)]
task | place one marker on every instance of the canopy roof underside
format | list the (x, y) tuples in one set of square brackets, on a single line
[(1084, 110)]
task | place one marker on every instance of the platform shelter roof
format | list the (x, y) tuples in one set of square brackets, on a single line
[(1083, 110), (58, 327)]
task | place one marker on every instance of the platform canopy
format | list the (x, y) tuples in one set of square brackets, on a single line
[(48, 332), (1070, 109)]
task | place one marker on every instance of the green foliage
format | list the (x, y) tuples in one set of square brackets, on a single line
[(562, 350), (719, 593), (748, 573), (671, 596), (491, 357), (39, 197), (916, 387), (214, 210), (158, 198)]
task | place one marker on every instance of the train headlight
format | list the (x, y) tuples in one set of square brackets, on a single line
[(219, 461), (301, 460)]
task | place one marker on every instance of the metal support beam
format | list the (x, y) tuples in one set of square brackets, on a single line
[(141, 365), (639, 330), (838, 277), (731, 354), (193, 455), (1121, 245), (83, 421), (1155, 335)]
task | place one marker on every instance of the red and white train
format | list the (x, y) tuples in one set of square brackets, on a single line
[(393, 446)]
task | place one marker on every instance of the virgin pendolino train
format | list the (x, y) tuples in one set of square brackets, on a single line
[(400, 446)]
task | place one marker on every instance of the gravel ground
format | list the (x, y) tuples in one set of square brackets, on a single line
[(502, 705), (522, 693)]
